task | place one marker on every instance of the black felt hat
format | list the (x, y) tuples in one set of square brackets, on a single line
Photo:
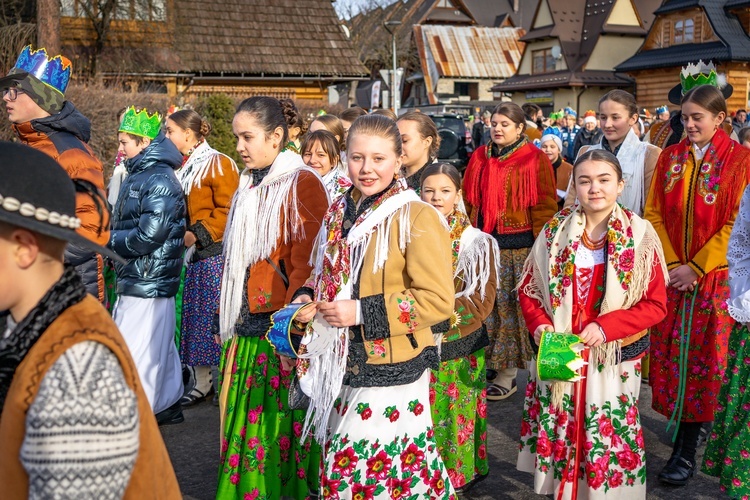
[(37, 194)]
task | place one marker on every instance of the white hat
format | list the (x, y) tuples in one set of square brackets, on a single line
[(552, 137)]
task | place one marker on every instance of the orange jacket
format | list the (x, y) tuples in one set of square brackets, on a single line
[(63, 136)]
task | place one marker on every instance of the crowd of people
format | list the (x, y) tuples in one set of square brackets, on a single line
[(416, 293)]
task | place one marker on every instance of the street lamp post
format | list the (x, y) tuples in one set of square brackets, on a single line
[(394, 90)]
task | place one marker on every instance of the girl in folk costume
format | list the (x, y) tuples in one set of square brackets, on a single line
[(693, 202), (421, 142), (209, 179), (457, 390), (382, 278), (597, 271), (510, 194), (320, 151), (275, 215), (335, 126), (618, 113), (726, 453)]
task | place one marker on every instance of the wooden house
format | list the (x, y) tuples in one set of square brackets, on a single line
[(451, 50), (282, 48), (685, 31), (572, 49)]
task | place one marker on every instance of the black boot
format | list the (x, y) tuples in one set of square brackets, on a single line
[(681, 467), (172, 415)]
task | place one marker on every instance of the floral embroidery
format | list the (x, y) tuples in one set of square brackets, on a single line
[(262, 300), (457, 222), (458, 318), (407, 312), (364, 411), (416, 407), (391, 413), (376, 347), (709, 173), (676, 170)]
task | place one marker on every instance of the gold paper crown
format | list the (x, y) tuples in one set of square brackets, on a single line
[(141, 123)]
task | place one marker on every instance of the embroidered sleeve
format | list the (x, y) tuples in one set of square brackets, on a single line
[(714, 252), (374, 317), (430, 296), (82, 430), (470, 311), (738, 255), (533, 310), (653, 212)]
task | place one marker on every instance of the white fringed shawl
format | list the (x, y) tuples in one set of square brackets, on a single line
[(477, 250), (254, 230), (200, 163)]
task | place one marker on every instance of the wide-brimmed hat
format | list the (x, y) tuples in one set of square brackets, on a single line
[(37, 194), (695, 75)]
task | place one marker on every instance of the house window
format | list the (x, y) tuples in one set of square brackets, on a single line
[(684, 31), (138, 10), (543, 61), (466, 89)]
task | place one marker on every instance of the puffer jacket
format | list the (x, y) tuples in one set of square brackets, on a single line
[(63, 136), (148, 223)]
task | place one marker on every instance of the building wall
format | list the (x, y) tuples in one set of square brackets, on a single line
[(611, 50), (653, 85), (527, 63), (623, 14), (564, 97), (446, 89)]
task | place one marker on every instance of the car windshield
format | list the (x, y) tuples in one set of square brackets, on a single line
[(449, 122)]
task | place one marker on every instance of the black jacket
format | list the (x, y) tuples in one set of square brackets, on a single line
[(148, 227), (586, 138)]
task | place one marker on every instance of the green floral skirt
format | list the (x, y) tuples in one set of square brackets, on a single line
[(458, 398), (727, 455), (263, 453)]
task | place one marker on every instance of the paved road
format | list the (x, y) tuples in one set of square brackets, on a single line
[(193, 447)]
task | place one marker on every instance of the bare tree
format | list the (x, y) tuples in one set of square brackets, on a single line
[(48, 25)]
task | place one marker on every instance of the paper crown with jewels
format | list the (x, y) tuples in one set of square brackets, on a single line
[(570, 111), (662, 109), (695, 75), (140, 123), (51, 71)]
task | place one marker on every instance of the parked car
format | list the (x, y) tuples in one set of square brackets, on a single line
[(455, 140)]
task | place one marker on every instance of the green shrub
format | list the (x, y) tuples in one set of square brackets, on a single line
[(218, 110)]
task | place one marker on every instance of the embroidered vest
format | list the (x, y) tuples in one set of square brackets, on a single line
[(153, 476)]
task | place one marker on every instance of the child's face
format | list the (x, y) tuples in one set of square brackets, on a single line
[(129, 147)]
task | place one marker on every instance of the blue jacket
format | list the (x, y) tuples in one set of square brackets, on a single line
[(148, 223)]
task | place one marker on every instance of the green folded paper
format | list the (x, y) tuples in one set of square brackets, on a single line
[(559, 357)]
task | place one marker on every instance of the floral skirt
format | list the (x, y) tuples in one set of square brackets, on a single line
[(382, 445), (510, 345), (707, 351), (263, 453), (727, 455), (458, 398), (613, 459), (199, 303)]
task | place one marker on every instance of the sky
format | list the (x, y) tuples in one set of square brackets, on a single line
[(348, 8)]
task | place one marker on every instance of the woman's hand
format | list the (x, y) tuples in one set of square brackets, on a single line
[(287, 364), (308, 312), (592, 335), (190, 239), (540, 330), (339, 313), (683, 278)]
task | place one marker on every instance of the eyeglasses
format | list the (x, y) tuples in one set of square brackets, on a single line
[(12, 93)]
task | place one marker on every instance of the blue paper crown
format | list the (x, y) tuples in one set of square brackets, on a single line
[(570, 111), (662, 109), (53, 72)]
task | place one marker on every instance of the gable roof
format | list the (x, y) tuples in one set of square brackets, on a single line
[(471, 51), (733, 44), (492, 12), (263, 37)]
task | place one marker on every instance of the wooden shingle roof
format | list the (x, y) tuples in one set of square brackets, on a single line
[(263, 37)]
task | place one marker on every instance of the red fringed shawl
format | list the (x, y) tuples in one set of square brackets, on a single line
[(493, 185)]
